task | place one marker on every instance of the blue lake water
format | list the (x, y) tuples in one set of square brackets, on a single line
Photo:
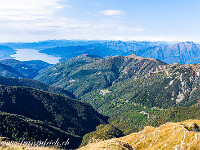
[(33, 54)]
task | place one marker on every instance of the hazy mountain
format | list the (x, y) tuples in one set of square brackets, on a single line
[(5, 52), (184, 53), (101, 48), (49, 44), (28, 69), (126, 48), (73, 51)]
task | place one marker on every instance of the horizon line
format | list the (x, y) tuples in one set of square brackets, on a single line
[(170, 41)]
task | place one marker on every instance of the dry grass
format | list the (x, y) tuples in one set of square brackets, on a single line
[(168, 136), (9, 146), (113, 144), (16, 147)]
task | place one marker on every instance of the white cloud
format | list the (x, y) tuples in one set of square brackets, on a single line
[(34, 20), (112, 12), (14, 13), (28, 7), (20, 19)]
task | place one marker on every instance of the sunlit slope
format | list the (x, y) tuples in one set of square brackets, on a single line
[(181, 135)]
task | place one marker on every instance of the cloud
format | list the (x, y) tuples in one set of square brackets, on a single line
[(112, 12), (23, 12), (34, 20), (28, 7), (23, 19)]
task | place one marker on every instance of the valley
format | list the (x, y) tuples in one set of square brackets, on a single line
[(99, 92), (99, 75), (133, 85)]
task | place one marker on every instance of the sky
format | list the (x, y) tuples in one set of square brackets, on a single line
[(140, 20)]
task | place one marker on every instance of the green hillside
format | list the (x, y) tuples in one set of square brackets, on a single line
[(86, 73), (8, 71), (126, 99), (128, 89), (22, 129), (180, 135), (69, 115), (29, 69), (102, 132), (34, 84)]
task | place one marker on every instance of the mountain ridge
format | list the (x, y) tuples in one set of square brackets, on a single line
[(28, 69), (34, 84), (97, 72), (167, 136), (182, 52), (127, 85)]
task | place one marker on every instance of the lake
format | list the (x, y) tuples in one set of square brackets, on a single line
[(33, 54)]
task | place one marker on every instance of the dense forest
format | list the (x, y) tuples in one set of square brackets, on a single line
[(35, 115), (128, 89)]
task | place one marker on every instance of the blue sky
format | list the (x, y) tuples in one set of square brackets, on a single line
[(153, 20)]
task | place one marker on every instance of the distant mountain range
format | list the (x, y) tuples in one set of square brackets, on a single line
[(122, 87), (183, 53), (48, 44), (5, 52), (102, 49)]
